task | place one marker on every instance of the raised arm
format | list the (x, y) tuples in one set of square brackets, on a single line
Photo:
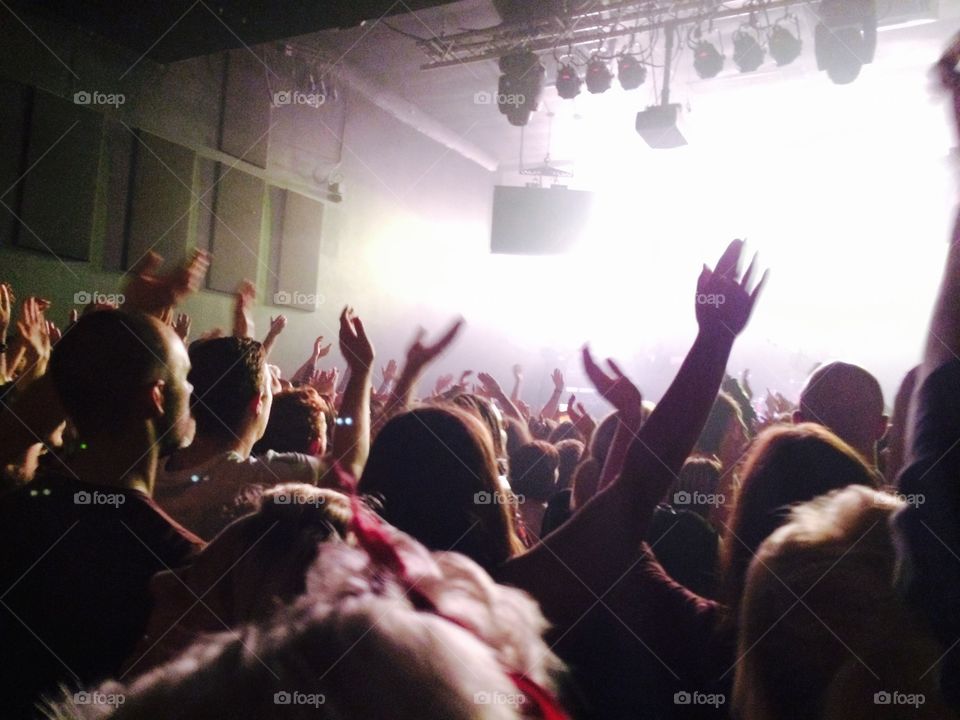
[(419, 356), (626, 398), (277, 325), (496, 392), (351, 438), (551, 411), (305, 371), (146, 291), (243, 300), (517, 383), (581, 560)]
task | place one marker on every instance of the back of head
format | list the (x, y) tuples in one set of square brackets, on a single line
[(533, 470), (603, 438), (298, 423), (489, 415), (850, 638), (435, 472), (563, 431), (359, 646), (227, 375), (101, 366), (787, 465), (696, 488), (848, 400), (724, 411), (517, 434)]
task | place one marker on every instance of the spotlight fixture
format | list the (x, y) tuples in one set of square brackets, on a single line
[(520, 87), (707, 60), (748, 53), (568, 82), (846, 38), (630, 72), (785, 47), (599, 76)]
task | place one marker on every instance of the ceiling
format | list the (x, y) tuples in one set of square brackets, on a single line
[(170, 30), (386, 52)]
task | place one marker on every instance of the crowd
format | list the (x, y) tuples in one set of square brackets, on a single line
[(192, 535)]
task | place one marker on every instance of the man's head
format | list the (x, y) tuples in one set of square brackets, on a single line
[(115, 371), (298, 423), (231, 388), (848, 400)]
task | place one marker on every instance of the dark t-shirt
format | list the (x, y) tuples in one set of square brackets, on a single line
[(74, 573), (928, 529)]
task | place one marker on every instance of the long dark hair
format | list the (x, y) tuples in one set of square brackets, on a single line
[(434, 471), (787, 465)]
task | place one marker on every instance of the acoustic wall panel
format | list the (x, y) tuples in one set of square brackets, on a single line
[(235, 242), (59, 188), (296, 249)]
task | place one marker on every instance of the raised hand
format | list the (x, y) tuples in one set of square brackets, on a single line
[(277, 324), (419, 354), (490, 385), (6, 302), (724, 301), (148, 292), (54, 332), (354, 344), (212, 334), (615, 388), (558, 383), (464, 379), (244, 298), (443, 382), (325, 381), (581, 419), (319, 350), (518, 372), (389, 373), (181, 326), (34, 329)]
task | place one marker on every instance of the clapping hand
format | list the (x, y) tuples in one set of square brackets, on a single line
[(724, 300)]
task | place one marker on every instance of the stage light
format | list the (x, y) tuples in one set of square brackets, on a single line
[(520, 86), (630, 72), (785, 47), (748, 53), (568, 82), (846, 39), (707, 60), (599, 76)]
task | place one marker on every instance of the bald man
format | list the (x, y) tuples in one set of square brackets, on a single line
[(848, 400)]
